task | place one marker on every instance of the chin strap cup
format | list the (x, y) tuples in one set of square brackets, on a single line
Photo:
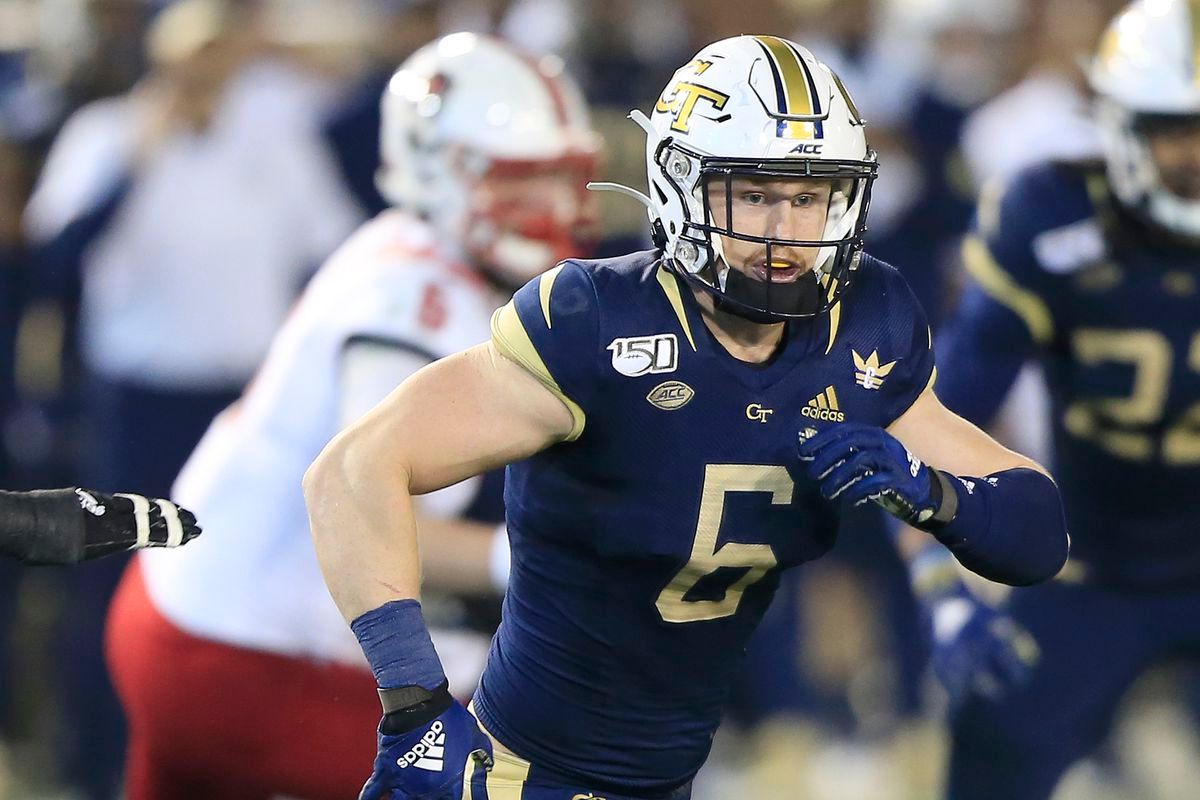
[(760, 301)]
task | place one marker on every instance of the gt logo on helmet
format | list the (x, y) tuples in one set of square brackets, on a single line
[(681, 99)]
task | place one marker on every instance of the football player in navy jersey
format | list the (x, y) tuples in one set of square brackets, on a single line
[(1093, 269), (680, 425)]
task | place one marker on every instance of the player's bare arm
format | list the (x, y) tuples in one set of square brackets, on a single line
[(454, 419), (459, 554), (938, 436)]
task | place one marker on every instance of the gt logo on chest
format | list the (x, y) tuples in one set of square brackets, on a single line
[(756, 412), (645, 355)]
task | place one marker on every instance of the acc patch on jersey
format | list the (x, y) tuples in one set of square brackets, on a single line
[(670, 395)]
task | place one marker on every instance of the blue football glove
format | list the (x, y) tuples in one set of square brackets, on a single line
[(977, 648), (861, 462), (430, 760)]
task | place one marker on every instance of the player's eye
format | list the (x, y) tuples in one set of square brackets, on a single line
[(804, 200), (754, 198)]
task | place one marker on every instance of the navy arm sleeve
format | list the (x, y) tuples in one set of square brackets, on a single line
[(1009, 527)]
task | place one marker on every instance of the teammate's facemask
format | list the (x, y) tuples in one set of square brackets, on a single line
[(782, 238)]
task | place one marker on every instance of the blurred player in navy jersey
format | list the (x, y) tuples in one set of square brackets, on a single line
[(680, 425), (244, 629), (1092, 268)]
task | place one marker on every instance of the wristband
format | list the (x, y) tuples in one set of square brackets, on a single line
[(397, 646), (945, 499)]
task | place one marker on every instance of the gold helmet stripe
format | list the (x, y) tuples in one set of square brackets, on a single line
[(793, 85)]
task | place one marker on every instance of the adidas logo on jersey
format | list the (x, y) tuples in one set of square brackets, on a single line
[(825, 407), (429, 753)]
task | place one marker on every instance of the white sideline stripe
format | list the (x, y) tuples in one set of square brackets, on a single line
[(170, 513), (141, 515)]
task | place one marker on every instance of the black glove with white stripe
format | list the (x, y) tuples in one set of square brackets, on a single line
[(66, 526)]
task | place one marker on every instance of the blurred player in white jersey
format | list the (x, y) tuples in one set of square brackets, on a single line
[(207, 649)]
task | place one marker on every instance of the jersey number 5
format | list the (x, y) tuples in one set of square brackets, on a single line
[(756, 559)]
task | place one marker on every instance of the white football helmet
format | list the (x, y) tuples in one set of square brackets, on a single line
[(465, 107), (1146, 75), (759, 107)]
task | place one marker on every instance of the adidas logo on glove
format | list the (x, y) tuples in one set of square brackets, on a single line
[(429, 753)]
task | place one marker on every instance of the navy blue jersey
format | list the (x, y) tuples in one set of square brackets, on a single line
[(1111, 310), (646, 548)]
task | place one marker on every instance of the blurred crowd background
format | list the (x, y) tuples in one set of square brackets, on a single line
[(168, 186)]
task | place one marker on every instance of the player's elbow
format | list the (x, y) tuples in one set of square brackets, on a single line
[(1046, 559), (1040, 529), (323, 477), (360, 459), (1039, 555), (1049, 543), (341, 471)]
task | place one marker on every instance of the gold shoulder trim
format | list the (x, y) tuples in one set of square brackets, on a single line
[(671, 286), (513, 342), (835, 318)]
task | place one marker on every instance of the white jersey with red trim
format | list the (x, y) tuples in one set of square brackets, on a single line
[(252, 579)]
